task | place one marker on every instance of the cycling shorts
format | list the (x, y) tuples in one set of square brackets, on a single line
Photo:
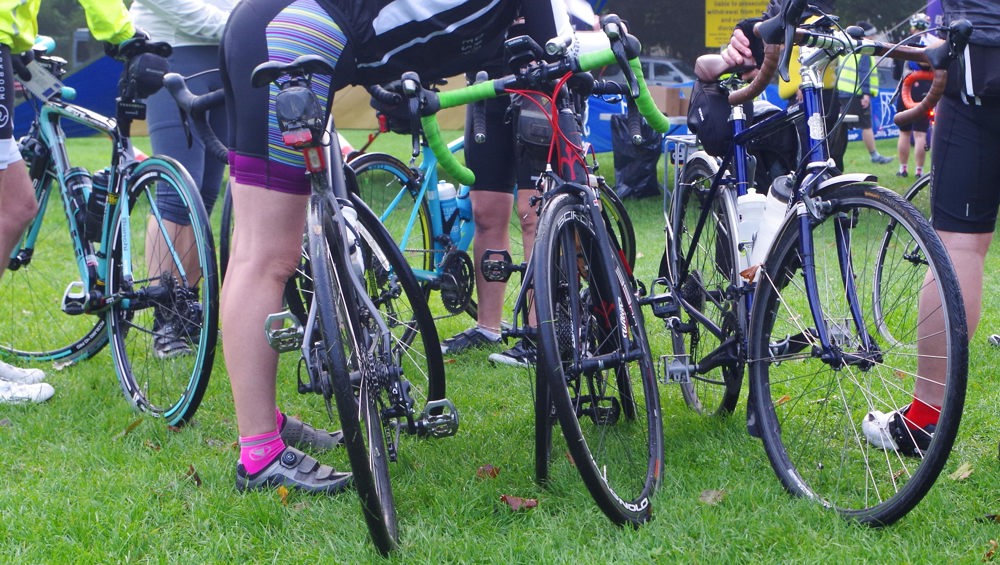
[(9, 152), (500, 163), (275, 30), (965, 192)]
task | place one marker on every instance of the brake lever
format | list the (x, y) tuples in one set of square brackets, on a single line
[(412, 89), (623, 50)]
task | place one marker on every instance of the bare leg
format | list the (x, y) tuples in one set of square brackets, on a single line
[(17, 207), (919, 149), (968, 254), (158, 257), (491, 212), (267, 244), (903, 148), (868, 136)]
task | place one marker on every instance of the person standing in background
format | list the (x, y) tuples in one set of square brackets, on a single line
[(857, 86), (918, 22), (193, 28), (108, 22)]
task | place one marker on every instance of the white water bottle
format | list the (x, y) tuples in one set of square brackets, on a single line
[(750, 207), (351, 237), (449, 205), (774, 212)]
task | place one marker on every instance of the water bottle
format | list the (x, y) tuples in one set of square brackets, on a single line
[(96, 205), (464, 204), (351, 237), (750, 208), (79, 185), (776, 205), (447, 196)]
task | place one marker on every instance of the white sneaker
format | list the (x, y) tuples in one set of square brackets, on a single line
[(18, 375), (888, 430), (16, 393), (876, 429)]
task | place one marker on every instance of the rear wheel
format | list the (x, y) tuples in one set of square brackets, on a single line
[(353, 355), (595, 355), (164, 318), (705, 275)]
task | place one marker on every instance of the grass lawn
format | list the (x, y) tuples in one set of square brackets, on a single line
[(87, 480)]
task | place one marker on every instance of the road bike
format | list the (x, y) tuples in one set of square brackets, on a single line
[(116, 266), (800, 304), (365, 334), (594, 371)]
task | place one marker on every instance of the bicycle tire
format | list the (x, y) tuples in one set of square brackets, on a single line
[(37, 329), (619, 223), (167, 286), (809, 411), (346, 360), (390, 188), (706, 283), (919, 195), (225, 231), (609, 412)]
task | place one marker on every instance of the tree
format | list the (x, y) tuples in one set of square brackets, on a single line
[(59, 19)]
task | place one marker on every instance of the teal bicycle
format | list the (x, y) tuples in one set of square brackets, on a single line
[(110, 267)]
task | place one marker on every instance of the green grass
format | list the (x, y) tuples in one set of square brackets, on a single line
[(82, 485)]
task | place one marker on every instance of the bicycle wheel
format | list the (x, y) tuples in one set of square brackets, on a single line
[(919, 195), (595, 355), (164, 316), (42, 266), (619, 223), (390, 189), (400, 300), (810, 406), (705, 275), (225, 231), (352, 356)]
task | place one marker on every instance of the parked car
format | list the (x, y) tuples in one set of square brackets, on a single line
[(659, 71)]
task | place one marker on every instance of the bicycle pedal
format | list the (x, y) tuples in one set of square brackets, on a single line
[(76, 299), (602, 410), (283, 331), (674, 371), (439, 418), (496, 270)]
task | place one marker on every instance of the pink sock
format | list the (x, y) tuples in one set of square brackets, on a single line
[(279, 418), (257, 452)]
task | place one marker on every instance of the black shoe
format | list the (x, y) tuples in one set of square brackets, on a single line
[(903, 174), (469, 339), (294, 469), (523, 354)]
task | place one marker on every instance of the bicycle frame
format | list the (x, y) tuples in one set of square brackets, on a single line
[(91, 264)]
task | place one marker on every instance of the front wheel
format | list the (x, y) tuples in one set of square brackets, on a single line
[(162, 281), (815, 407), (595, 355)]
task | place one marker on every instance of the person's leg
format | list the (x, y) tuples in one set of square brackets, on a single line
[(267, 245), (491, 212), (868, 137), (903, 152), (919, 151), (17, 205)]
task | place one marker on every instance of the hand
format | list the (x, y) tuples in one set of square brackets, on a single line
[(738, 53), (865, 101), (126, 48)]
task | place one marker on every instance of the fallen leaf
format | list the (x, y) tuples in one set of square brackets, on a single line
[(153, 446), (517, 503), (487, 472), (712, 497), (193, 475), (569, 456), (283, 494), (175, 429), (962, 473), (782, 400), (991, 552), (129, 429)]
